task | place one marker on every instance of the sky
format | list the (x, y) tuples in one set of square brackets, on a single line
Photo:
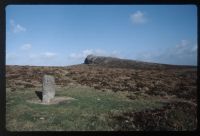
[(62, 35)]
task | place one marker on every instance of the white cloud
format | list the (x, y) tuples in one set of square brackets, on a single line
[(83, 54), (26, 47), (49, 55), (42, 56), (42, 59), (16, 27), (87, 51), (185, 48), (183, 44), (138, 17), (184, 53)]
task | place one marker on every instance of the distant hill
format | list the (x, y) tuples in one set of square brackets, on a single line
[(126, 63)]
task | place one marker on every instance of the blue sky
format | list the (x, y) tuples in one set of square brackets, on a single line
[(61, 35)]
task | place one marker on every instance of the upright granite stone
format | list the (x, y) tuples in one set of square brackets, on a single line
[(48, 88)]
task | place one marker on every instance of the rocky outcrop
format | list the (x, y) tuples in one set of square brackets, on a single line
[(92, 59), (125, 63)]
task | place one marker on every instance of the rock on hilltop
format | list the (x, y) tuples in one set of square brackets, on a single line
[(126, 63)]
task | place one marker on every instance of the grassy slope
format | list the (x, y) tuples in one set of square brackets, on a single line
[(91, 110), (141, 110)]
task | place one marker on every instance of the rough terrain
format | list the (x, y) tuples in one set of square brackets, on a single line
[(174, 86)]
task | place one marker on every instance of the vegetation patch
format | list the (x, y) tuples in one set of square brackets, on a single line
[(174, 116), (90, 111), (105, 98)]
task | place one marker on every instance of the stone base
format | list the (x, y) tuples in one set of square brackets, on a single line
[(56, 100)]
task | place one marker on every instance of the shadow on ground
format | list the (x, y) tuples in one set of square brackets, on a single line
[(39, 94)]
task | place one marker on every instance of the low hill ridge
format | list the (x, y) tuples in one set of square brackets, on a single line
[(127, 63)]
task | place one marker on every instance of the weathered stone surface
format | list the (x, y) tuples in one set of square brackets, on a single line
[(48, 88)]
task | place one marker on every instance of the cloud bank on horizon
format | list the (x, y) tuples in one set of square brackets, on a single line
[(65, 35)]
